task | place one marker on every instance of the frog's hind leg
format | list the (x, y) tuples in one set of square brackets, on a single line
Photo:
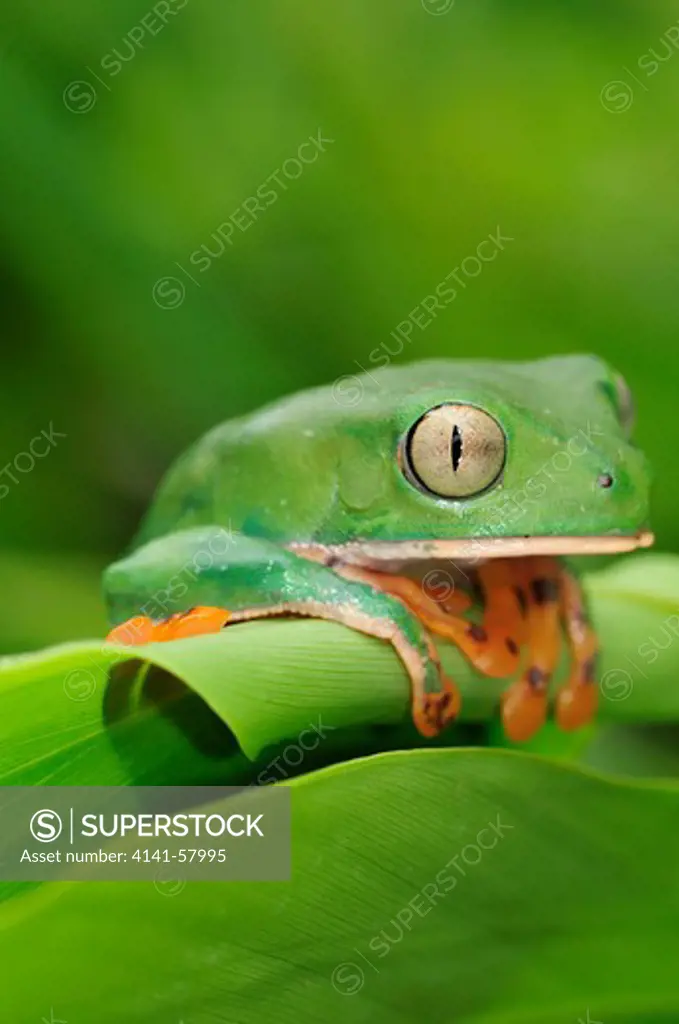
[(524, 704), (253, 579), (576, 702), (435, 700), (432, 710)]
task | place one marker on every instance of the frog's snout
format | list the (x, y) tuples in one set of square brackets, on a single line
[(622, 485)]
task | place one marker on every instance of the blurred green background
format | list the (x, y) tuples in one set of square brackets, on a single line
[(444, 127)]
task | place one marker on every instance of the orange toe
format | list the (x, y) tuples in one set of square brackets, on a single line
[(576, 706), (142, 630), (196, 622), (438, 710), (524, 711), (435, 711), (138, 630)]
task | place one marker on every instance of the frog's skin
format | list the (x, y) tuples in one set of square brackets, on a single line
[(322, 505)]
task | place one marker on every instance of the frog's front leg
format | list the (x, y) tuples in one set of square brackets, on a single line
[(576, 702), (185, 584), (524, 703), (522, 602), (520, 623), (493, 646)]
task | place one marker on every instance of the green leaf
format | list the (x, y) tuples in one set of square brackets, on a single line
[(573, 904), (60, 725)]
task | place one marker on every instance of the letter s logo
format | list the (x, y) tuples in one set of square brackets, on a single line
[(46, 826)]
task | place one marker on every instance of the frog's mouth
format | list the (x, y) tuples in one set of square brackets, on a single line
[(376, 554)]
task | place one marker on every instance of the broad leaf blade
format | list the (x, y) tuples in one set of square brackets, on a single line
[(575, 906)]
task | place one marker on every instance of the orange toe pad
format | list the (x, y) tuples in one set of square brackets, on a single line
[(142, 630)]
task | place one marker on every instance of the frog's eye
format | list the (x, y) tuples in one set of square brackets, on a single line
[(625, 404), (454, 451)]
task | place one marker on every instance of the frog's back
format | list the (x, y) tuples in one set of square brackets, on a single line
[(192, 493)]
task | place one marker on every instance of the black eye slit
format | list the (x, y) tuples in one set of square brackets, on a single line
[(605, 480), (453, 451), (456, 447)]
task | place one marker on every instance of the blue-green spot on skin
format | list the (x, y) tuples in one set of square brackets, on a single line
[(448, 459)]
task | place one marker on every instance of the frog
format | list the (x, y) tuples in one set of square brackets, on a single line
[(347, 502)]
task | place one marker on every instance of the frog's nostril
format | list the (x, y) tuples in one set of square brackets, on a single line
[(605, 480)]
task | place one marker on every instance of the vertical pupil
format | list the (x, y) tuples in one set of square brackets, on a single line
[(456, 447)]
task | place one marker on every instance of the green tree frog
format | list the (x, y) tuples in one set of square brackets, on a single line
[(354, 502)]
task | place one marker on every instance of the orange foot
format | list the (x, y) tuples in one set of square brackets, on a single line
[(195, 622), (435, 711)]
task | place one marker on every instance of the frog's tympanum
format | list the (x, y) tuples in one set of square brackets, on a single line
[(397, 503)]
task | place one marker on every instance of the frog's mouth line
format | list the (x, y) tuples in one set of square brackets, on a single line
[(376, 553)]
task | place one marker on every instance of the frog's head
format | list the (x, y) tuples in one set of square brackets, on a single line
[(477, 459), (443, 459)]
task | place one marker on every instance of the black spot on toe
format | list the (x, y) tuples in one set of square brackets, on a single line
[(477, 633), (543, 591), (589, 670), (536, 678)]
